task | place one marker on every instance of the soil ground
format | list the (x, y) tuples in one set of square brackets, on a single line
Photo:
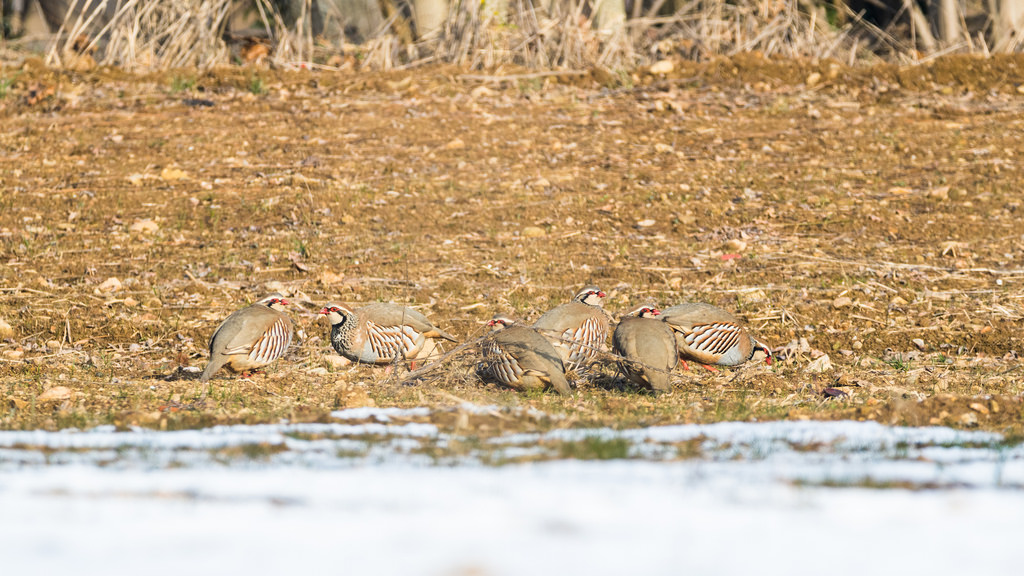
[(866, 221)]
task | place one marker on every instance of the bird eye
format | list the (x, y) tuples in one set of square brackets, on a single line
[(334, 309)]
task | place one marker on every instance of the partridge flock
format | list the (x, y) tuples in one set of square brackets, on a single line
[(647, 343)]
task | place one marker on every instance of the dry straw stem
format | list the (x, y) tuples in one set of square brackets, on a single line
[(143, 34), (562, 34)]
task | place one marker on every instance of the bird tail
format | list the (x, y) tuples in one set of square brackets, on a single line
[(557, 380), (445, 335)]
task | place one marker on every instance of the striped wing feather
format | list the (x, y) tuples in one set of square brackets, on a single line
[(390, 342), (716, 338), (273, 343)]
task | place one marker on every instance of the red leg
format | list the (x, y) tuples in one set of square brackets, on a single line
[(685, 365), (710, 368)]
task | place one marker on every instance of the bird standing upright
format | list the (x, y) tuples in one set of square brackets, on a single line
[(709, 335), (577, 329), (380, 333), (648, 347), (250, 338), (519, 357)]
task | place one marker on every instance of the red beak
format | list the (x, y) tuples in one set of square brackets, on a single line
[(601, 294), (325, 311)]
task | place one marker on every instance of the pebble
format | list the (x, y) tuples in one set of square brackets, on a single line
[(968, 419), (842, 302), (6, 331), (662, 67), (109, 285), (919, 343), (55, 394)]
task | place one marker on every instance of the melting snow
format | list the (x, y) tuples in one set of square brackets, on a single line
[(366, 498)]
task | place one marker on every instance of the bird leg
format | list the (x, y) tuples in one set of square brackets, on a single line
[(709, 368), (685, 365)]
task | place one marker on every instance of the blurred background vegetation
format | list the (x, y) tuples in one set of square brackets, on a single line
[(536, 34)]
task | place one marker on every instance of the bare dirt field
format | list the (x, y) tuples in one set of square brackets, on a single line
[(866, 221)]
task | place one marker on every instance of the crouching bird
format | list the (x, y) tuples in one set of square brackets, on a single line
[(520, 358), (380, 333), (709, 335), (250, 338), (648, 348), (577, 329)]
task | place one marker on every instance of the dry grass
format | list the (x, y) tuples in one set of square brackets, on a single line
[(430, 188), (146, 35)]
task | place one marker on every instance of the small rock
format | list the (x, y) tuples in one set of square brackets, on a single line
[(318, 371), (646, 223), (6, 331), (109, 285), (979, 407), (813, 78), (136, 179), (173, 174), (919, 343), (842, 302), (533, 232), (821, 364), (456, 144), (336, 362), (735, 245), (662, 148), (858, 345), (14, 354), (145, 226), (968, 420), (662, 67), (897, 302), (55, 394), (53, 344), (833, 393), (131, 302), (540, 183), (481, 92), (1020, 89)]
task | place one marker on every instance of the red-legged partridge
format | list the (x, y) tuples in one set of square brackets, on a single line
[(380, 333), (576, 329), (709, 335), (519, 357), (648, 346), (250, 338)]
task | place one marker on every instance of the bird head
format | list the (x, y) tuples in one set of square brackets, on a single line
[(275, 301), (590, 295), (336, 313), (500, 321), (643, 311)]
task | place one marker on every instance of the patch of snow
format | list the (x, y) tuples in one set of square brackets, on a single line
[(379, 414)]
